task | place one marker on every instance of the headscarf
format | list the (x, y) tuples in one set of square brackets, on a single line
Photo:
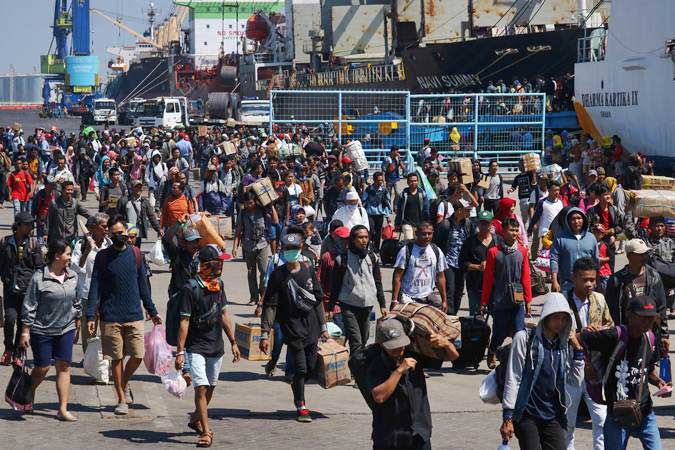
[(612, 183), (102, 176), (503, 212)]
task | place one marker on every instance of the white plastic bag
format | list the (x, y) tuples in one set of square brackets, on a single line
[(94, 364), (488, 389), (175, 384), (158, 356), (157, 254)]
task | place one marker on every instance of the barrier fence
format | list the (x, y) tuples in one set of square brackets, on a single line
[(483, 126)]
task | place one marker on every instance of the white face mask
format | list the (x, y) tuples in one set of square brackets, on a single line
[(351, 207)]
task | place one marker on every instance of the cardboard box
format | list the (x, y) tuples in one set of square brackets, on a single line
[(464, 167), (264, 190), (484, 182), (652, 203), (532, 162), (202, 130), (247, 336), (228, 148), (658, 183), (332, 365)]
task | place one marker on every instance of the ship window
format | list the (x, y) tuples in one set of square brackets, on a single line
[(206, 43), (602, 84), (230, 26), (208, 26)]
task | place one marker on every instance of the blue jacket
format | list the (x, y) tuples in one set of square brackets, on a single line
[(377, 201), (567, 248)]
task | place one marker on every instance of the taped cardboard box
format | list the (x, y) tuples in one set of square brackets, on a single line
[(332, 365), (531, 162), (247, 337), (264, 190), (652, 203), (658, 183), (464, 167), (228, 148)]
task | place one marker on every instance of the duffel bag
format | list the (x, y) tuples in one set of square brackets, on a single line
[(425, 320)]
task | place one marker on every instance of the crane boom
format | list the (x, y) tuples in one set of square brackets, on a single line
[(118, 23)]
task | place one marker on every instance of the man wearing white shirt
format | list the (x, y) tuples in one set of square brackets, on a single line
[(351, 214), (547, 210)]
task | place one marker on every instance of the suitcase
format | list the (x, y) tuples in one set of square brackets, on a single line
[(475, 339), (388, 251)]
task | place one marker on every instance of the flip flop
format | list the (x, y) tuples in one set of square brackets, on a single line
[(195, 427)]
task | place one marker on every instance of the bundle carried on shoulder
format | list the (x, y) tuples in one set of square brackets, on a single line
[(652, 203), (424, 320)]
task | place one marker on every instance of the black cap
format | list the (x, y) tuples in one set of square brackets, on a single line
[(643, 306), (210, 253), (23, 217), (291, 240)]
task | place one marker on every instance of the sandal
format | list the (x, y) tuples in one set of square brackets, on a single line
[(195, 427), (205, 440)]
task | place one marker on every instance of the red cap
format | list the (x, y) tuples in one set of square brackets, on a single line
[(342, 232), (346, 160)]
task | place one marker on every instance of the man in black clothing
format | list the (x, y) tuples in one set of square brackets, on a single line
[(412, 209), (395, 378), (524, 182), (294, 299), (21, 257)]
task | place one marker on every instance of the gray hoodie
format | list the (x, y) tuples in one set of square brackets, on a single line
[(523, 369), (567, 248)]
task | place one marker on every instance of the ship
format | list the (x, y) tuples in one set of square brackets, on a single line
[(625, 82), (423, 46)]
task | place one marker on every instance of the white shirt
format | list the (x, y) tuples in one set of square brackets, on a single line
[(549, 212), (419, 280), (84, 273), (582, 307), (352, 215)]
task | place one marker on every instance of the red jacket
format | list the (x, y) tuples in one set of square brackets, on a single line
[(489, 275)]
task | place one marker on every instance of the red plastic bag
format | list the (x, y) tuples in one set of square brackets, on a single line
[(158, 356), (387, 232)]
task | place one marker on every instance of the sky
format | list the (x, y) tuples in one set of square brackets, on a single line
[(27, 33)]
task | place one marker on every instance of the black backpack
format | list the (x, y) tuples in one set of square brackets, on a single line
[(358, 365)]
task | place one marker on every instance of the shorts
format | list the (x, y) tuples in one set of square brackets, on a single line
[(204, 369), (408, 232), (45, 348), (122, 339)]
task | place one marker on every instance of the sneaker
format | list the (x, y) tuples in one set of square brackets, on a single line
[(6, 359), (128, 395), (304, 415), (122, 409)]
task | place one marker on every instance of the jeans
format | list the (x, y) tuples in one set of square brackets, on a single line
[(598, 415), (304, 360), (256, 259), (617, 437), (84, 186), (474, 301), (20, 206), (505, 323), (454, 287), (537, 434), (357, 325), (376, 230), (602, 283), (12, 328)]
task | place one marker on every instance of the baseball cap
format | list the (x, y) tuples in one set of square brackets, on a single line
[(643, 306), (210, 253), (23, 217), (351, 195), (463, 203), (390, 334), (592, 173), (342, 232), (485, 216), (191, 234), (637, 246), (291, 240), (346, 160)]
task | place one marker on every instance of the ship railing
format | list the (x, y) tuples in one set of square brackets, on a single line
[(592, 47)]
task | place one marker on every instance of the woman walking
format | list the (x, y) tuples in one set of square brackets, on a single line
[(50, 316)]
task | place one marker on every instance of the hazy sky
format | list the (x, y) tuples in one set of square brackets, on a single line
[(27, 33)]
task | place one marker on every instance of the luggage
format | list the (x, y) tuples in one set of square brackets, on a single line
[(355, 151), (658, 183), (228, 148), (553, 172), (531, 162), (475, 339), (264, 190), (665, 269), (652, 203), (18, 393), (425, 320), (388, 251), (538, 282), (464, 167), (158, 357)]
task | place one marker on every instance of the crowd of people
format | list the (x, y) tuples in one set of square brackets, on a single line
[(314, 245)]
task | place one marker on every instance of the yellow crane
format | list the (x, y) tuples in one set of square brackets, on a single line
[(118, 23)]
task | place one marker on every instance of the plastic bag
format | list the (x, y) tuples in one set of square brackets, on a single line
[(157, 254), (543, 261), (158, 356), (488, 389), (175, 384), (94, 364)]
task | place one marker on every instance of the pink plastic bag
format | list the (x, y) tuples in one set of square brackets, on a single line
[(175, 384), (158, 357)]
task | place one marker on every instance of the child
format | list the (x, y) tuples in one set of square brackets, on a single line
[(605, 270)]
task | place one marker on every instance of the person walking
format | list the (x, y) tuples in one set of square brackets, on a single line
[(82, 262), (545, 212), (62, 215), (50, 317), (20, 185), (203, 312), (412, 208), (631, 365), (540, 366), (252, 233), (111, 194), (507, 291), (495, 190), (294, 298), (176, 206), (473, 257), (590, 312), (357, 286), (460, 228), (21, 257), (377, 201), (573, 242), (136, 210), (351, 214), (118, 282)]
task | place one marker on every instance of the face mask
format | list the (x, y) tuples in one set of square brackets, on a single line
[(351, 207), (119, 240), (292, 255)]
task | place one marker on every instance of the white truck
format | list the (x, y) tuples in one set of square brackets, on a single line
[(166, 112), (103, 111), (254, 112)]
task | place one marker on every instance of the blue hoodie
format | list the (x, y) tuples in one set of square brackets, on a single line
[(567, 248)]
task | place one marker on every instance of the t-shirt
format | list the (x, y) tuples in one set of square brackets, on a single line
[(605, 269), (524, 183), (413, 207), (132, 207), (419, 281), (604, 218), (637, 286), (207, 341), (20, 183), (493, 191), (549, 212), (294, 192)]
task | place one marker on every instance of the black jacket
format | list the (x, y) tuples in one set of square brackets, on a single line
[(146, 216), (17, 268)]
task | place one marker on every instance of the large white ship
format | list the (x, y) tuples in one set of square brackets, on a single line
[(625, 76)]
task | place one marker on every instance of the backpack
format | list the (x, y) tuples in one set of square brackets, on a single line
[(359, 362)]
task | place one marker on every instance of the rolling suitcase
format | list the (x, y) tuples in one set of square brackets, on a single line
[(475, 339)]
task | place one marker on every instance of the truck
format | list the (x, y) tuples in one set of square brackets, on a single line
[(102, 111), (166, 112), (128, 113), (254, 112)]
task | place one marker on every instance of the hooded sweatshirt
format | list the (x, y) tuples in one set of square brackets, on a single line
[(567, 247), (528, 385), (155, 173)]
